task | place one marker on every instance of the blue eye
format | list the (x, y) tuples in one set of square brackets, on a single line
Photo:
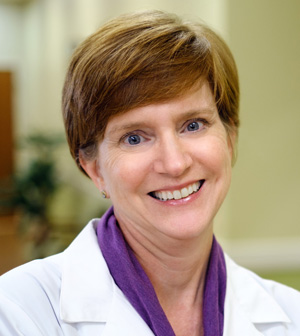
[(194, 126), (133, 139)]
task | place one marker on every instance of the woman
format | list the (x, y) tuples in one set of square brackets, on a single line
[(150, 107)]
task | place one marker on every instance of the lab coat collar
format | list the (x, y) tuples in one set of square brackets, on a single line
[(89, 294), (87, 287), (248, 303)]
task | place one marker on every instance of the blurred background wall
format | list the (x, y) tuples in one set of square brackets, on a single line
[(259, 224)]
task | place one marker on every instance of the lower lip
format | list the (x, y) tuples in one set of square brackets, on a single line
[(181, 201)]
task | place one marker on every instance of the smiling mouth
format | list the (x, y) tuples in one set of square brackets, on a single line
[(167, 195)]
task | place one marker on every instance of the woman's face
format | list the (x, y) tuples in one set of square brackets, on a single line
[(166, 166)]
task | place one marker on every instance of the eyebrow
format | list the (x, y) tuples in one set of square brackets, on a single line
[(141, 124)]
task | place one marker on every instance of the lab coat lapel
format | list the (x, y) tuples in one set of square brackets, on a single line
[(123, 318), (89, 294), (248, 304), (87, 286), (236, 321)]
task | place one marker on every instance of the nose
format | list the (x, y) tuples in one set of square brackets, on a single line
[(172, 157)]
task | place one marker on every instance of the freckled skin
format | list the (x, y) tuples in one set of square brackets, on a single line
[(170, 152)]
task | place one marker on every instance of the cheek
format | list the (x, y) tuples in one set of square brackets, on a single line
[(128, 174), (217, 156), (123, 172)]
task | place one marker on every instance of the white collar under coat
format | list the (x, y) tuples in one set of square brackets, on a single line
[(89, 294)]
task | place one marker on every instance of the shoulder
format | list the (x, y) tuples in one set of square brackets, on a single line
[(35, 274), (265, 301), (30, 294), (45, 274), (237, 274)]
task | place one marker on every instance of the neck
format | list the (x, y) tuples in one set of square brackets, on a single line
[(176, 268)]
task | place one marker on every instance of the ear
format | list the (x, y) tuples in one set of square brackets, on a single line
[(92, 169)]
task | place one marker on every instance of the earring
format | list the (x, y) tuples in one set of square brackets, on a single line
[(103, 193)]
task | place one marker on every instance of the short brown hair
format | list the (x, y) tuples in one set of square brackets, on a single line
[(138, 59)]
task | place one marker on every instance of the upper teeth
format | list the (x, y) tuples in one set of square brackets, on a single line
[(177, 194)]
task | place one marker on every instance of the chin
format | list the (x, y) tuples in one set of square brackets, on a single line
[(187, 229)]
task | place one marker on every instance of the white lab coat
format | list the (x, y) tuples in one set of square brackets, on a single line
[(73, 293)]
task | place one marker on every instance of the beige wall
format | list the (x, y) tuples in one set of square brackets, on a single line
[(263, 206), (265, 198), (262, 226)]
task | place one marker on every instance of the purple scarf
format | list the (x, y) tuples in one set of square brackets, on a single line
[(130, 277)]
